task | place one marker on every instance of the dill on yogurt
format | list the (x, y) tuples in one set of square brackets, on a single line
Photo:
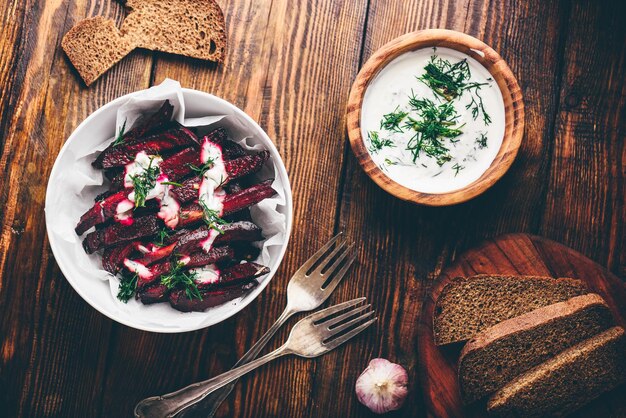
[(450, 81), (377, 143)]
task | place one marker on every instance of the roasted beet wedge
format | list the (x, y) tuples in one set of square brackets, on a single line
[(144, 126), (100, 211), (192, 213), (245, 165), (247, 197), (153, 294), (117, 233), (215, 255), (157, 255), (177, 166), (236, 231), (237, 274), (113, 257), (230, 149), (179, 300), (178, 137)]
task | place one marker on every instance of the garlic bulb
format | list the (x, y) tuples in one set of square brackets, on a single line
[(382, 387)]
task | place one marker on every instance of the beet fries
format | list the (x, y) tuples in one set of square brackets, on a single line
[(161, 226)]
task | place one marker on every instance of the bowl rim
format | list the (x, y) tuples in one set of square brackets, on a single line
[(280, 168), (488, 58)]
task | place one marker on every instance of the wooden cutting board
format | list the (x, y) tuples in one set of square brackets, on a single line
[(515, 254)]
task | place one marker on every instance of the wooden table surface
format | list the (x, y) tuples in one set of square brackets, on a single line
[(290, 65)]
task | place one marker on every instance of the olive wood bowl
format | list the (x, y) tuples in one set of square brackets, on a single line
[(486, 56)]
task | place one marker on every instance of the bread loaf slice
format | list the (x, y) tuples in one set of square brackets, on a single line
[(468, 306), (567, 381), (94, 45), (498, 354), (194, 28)]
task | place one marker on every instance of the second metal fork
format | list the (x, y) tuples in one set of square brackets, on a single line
[(308, 288), (312, 336)]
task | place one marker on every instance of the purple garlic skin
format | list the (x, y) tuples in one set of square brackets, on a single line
[(382, 387)]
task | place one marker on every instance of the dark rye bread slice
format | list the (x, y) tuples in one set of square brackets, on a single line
[(498, 354), (467, 306), (194, 28), (566, 382), (94, 45)]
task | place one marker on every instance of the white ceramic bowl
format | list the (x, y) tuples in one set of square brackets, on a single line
[(96, 291)]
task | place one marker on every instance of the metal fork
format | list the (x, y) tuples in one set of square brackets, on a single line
[(312, 336), (305, 292)]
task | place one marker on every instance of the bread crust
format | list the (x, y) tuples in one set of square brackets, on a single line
[(530, 320), (448, 288), (597, 364), (489, 359)]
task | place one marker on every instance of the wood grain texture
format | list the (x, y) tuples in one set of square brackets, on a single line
[(512, 254), (290, 66), (501, 74)]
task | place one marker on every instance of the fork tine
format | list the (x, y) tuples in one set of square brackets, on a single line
[(344, 315), (319, 315), (351, 322), (351, 257), (318, 255), (345, 337), (324, 265)]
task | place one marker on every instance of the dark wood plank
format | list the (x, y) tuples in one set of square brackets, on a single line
[(585, 202), (289, 65), (54, 346), (403, 247), (506, 255)]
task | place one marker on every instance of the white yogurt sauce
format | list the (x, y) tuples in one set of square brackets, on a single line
[(210, 192), (208, 274), (390, 90), (168, 206)]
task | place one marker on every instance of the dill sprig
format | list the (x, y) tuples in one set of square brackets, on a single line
[(144, 182), (456, 167), (449, 81), (161, 236), (203, 168), (434, 123), (377, 143), (181, 279), (127, 286), (172, 183), (391, 121), (482, 140), (119, 140), (212, 217)]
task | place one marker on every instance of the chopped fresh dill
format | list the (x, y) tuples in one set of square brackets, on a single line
[(144, 182), (389, 162), (478, 108), (450, 81), (172, 183), (184, 280), (376, 143), (456, 167), (482, 140), (161, 236), (203, 168), (212, 217), (127, 286), (119, 140), (391, 121), (434, 123)]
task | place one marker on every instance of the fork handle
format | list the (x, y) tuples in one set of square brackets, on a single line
[(211, 403), (172, 403)]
